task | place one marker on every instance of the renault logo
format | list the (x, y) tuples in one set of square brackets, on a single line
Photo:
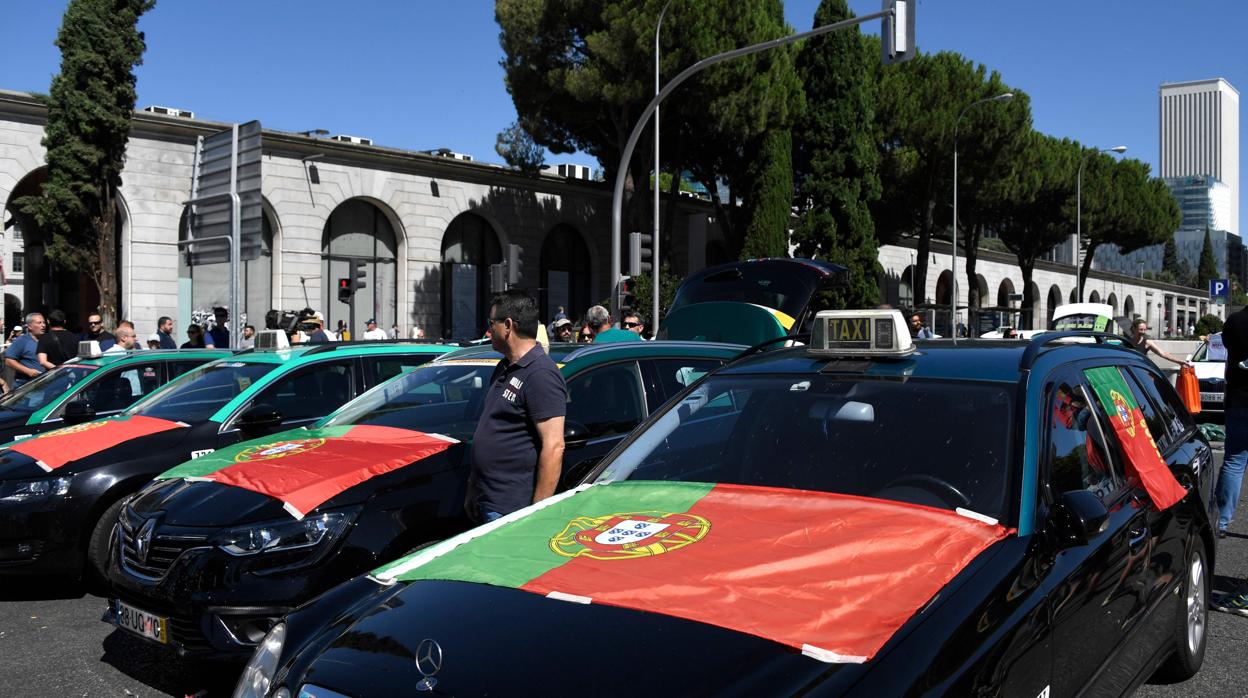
[(428, 662), (143, 541)]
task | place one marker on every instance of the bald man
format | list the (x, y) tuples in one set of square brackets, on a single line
[(126, 338)]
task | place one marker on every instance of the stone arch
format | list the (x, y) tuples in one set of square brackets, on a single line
[(1094, 297), (1074, 295), (564, 276), (981, 288), (944, 288), (1128, 307), (905, 288), (1054, 299), (362, 228), (1112, 300), (1004, 290), (1029, 313), (470, 245)]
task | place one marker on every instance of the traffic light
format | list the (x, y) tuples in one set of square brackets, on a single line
[(897, 32), (498, 278), (358, 273), (515, 264), (640, 253), (628, 294), (344, 290)]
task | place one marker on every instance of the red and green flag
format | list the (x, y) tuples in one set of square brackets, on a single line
[(53, 449), (305, 472), (1144, 461), (832, 575)]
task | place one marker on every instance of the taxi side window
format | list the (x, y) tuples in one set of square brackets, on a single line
[(1171, 409), (1077, 453), (1147, 399), (383, 368), (607, 400), (311, 392), (117, 390), (177, 368), (677, 374)]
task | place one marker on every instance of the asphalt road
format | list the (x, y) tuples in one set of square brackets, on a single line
[(52, 643)]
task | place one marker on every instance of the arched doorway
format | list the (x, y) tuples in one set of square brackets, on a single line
[(1074, 295), (1113, 302), (1094, 297), (1128, 307), (206, 285), (469, 247), (44, 286), (1054, 300), (359, 230), (981, 289), (944, 288), (564, 276), (1004, 291), (1029, 312), (905, 288)]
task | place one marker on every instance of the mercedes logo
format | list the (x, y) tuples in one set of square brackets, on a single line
[(428, 662), (143, 541)]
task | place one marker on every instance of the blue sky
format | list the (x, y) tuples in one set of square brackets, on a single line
[(418, 74)]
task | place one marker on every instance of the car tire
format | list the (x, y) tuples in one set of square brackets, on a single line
[(97, 545), (1191, 632)]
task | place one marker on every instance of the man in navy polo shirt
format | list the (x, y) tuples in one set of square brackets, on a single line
[(517, 450)]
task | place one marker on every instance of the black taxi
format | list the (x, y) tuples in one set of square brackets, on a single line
[(860, 515)]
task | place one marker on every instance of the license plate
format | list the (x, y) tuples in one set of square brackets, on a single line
[(1211, 397), (140, 622)]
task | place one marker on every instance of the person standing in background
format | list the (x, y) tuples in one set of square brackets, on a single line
[(164, 331), (58, 344), (22, 354)]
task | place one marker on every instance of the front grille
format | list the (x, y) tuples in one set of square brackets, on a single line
[(163, 550)]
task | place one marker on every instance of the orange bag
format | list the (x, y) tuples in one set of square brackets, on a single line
[(1189, 389)]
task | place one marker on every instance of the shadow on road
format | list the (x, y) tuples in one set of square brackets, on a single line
[(42, 589), (162, 670)]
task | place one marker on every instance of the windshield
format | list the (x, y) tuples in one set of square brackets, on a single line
[(435, 398), (195, 396), (751, 283), (928, 442), (1082, 321), (1211, 350), (45, 388)]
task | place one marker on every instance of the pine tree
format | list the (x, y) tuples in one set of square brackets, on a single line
[(1208, 269), (770, 198), (837, 159), (516, 147), (89, 109)]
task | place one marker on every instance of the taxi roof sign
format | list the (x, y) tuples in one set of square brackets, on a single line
[(272, 339), (89, 349), (860, 333)]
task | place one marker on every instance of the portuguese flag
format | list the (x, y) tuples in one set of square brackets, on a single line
[(831, 575), (1144, 462), (53, 449), (305, 472)]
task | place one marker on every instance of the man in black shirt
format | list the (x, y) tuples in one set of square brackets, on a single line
[(517, 450), (58, 344), (1231, 477)]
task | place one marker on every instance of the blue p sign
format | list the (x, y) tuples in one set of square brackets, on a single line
[(1219, 288)]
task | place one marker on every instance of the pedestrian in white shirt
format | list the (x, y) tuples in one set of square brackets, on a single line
[(373, 332)]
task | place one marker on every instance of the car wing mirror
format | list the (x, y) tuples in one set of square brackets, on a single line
[(78, 411), (574, 475), (259, 420), (1079, 515), (575, 434)]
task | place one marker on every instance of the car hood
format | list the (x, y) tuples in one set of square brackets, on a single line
[(68, 452), (495, 640), (295, 472), (1209, 369)]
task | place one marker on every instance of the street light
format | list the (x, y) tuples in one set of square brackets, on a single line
[(953, 298), (1120, 149), (654, 253)]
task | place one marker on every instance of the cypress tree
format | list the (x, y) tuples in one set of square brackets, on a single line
[(1208, 269), (770, 198), (837, 160), (90, 105)]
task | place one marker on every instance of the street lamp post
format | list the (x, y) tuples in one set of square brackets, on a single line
[(1120, 149), (898, 11), (953, 298), (654, 255)]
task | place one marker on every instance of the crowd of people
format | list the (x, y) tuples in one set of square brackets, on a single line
[(598, 326)]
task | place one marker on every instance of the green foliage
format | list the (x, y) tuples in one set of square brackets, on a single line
[(836, 156), (1208, 269), (89, 109), (665, 182), (644, 292), (770, 197), (1208, 324), (1123, 205), (517, 149), (1173, 269)]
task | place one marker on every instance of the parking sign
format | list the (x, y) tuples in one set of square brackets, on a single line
[(1219, 289)]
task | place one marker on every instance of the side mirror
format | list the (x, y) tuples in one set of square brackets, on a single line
[(259, 420), (575, 434), (1078, 516), (78, 411), (573, 476)]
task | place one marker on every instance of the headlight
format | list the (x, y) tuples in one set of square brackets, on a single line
[(26, 490), (259, 673), (283, 535)]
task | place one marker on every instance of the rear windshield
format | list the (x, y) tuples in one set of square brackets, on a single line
[(1085, 321), (922, 441), (788, 293), (196, 396), (44, 388), (435, 398)]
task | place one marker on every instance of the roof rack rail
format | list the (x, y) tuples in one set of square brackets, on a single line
[(331, 346), (804, 337), (1039, 342)]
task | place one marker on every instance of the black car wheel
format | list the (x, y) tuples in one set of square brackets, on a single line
[(1192, 625), (97, 545)]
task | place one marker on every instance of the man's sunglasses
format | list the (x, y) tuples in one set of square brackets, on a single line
[(630, 325)]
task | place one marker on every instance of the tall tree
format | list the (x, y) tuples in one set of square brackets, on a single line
[(770, 197), (1208, 269), (1173, 269), (1122, 205), (837, 160), (1029, 217), (90, 105)]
